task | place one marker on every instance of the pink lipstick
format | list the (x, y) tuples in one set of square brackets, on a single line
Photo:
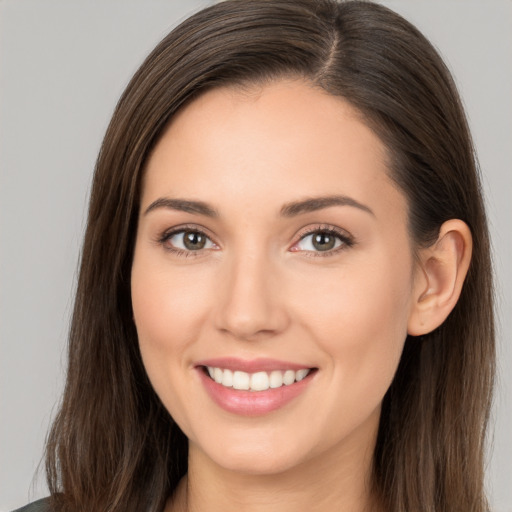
[(255, 387)]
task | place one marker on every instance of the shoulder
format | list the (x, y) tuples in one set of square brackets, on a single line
[(37, 506)]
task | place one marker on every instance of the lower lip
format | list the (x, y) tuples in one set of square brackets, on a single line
[(252, 403)]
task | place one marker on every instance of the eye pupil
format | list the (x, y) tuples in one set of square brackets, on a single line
[(194, 240), (323, 241)]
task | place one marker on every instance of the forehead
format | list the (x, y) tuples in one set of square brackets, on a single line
[(287, 138)]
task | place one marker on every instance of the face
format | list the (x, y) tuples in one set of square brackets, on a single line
[(273, 276)]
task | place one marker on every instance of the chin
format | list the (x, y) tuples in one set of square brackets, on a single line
[(255, 457), (260, 464)]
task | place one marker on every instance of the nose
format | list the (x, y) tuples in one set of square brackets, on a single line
[(250, 302)]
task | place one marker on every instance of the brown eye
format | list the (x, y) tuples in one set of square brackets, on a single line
[(193, 240), (186, 240), (326, 241), (323, 241)]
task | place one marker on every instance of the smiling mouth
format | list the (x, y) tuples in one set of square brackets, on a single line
[(258, 381)]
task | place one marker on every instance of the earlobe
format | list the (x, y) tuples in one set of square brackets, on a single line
[(442, 269)]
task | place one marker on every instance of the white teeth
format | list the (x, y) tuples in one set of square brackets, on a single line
[(227, 378), (217, 375), (301, 374), (276, 379), (241, 380), (288, 377), (259, 381)]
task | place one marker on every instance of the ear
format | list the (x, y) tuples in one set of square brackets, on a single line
[(441, 271)]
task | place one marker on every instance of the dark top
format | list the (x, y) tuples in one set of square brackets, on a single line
[(38, 506)]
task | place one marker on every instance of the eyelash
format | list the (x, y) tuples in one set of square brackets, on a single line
[(167, 235), (346, 241)]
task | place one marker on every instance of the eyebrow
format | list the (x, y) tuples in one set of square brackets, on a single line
[(183, 205), (318, 203), (288, 210)]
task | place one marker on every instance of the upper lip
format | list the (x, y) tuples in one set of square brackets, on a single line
[(252, 365)]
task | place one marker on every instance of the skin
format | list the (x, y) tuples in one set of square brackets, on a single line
[(259, 288)]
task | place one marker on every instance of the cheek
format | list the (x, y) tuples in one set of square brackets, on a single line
[(166, 304), (359, 319), (167, 314), (163, 312)]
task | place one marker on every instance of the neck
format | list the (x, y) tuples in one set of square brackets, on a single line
[(338, 480)]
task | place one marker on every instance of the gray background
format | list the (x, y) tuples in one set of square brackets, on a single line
[(63, 65)]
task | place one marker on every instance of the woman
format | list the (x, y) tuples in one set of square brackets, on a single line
[(285, 293)]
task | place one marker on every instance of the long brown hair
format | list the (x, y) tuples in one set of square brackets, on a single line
[(113, 446)]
